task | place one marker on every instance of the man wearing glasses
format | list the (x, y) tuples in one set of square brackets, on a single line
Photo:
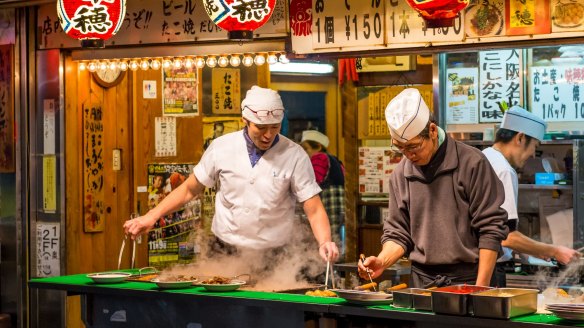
[(260, 175), (444, 203)]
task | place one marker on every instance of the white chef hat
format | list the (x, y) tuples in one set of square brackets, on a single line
[(315, 136), (407, 115), (258, 98), (519, 120)]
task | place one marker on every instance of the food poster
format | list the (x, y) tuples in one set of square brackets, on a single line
[(180, 96), (567, 15), (500, 83), (555, 92), (375, 166), (527, 17), (171, 241), (226, 89), (462, 105), (214, 127), (485, 18)]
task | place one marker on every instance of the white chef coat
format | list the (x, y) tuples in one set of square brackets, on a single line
[(508, 177), (254, 206)]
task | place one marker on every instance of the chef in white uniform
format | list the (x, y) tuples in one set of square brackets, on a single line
[(516, 142), (260, 175)]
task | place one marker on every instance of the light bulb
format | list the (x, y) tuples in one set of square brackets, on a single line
[(200, 62), (247, 60), (259, 59), (272, 59), (92, 67), (284, 59), (155, 64), (82, 66), (112, 66), (211, 61), (123, 65), (102, 66), (223, 61), (189, 63), (235, 60), (166, 64), (177, 63), (144, 64), (134, 65)]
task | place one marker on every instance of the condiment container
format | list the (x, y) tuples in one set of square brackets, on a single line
[(454, 299), (504, 303), (417, 298)]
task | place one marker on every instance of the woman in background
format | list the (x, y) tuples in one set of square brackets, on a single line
[(330, 176)]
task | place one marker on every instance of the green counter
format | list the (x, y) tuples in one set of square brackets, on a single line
[(143, 304)]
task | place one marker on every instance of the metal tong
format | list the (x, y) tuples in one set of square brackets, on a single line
[(132, 216), (326, 279), (362, 257)]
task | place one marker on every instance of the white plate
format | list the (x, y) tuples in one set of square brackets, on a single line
[(568, 315), (232, 285), (108, 277), (359, 295), (173, 284)]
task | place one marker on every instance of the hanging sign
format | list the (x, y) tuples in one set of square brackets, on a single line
[(92, 21), (239, 17), (347, 23)]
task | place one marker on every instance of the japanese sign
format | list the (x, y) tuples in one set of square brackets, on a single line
[(375, 166), (165, 136), (180, 91), (157, 21), (91, 19), (462, 100), (556, 95), (49, 126), (405, 25), (93, 168), (499, 81), (7, 137), (347, 23), (239, 15), (527, 17), (49, 183), (226, 88), (170, 241), (48, 240)]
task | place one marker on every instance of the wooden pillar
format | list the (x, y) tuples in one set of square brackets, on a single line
[(349, 112)]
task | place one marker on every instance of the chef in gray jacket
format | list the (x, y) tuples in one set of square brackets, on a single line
[(444, 203)]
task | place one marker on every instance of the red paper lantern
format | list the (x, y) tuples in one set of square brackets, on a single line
[(91, 21), (438, 13), (239, 17)]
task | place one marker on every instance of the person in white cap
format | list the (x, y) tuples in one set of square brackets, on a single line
[(516, 141), (259, 175), (444, 203), (330, 176)]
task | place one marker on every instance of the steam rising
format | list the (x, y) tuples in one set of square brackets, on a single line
[(296, 265)]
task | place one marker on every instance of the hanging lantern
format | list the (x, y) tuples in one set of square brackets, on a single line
[(239, 17), (91, 21), (438, 13)]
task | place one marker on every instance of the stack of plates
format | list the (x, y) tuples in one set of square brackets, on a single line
[(568, 311)]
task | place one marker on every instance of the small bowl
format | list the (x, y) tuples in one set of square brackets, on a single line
[(108, 277)]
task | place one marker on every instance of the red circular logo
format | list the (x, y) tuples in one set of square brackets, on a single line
[(91, 19)]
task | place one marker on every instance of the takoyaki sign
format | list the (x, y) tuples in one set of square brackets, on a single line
[(239, 17), (91, 19)]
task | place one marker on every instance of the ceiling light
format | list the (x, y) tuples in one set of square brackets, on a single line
[(272, 59), (166, 63), (82, 66), (102, 66), (133, 65), (155, 64), (200, 62), (223, 61), (92, 67), (144, 65), (259, 59), (247, 60), (302, 68), (235, 60), (211, 61), (123, 65)]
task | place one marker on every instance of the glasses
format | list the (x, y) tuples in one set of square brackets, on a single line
[(266, 113), (410, 149)]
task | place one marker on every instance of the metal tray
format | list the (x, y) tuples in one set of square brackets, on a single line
[(504, 303), (403, 298), (454, 299), (417, 298)]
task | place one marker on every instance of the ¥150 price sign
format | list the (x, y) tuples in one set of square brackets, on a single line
[(347, 23)]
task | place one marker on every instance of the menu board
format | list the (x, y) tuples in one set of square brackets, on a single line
[(500, 80), (461, 95), (556, 95), (375, 166)]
